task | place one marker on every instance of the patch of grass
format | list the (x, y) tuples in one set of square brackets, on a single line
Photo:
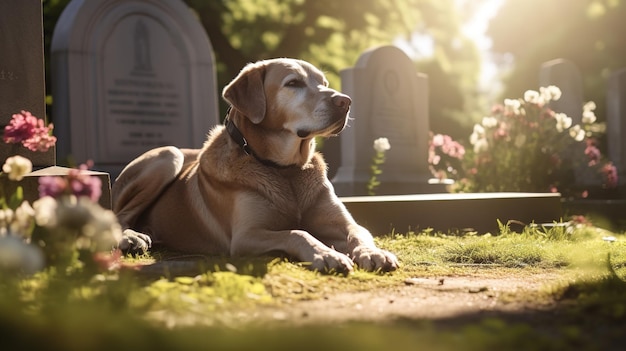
[(207, 302)]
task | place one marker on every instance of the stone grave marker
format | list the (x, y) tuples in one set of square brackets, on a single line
[(22, 71), (616, 121), (129, 76), (22, 88), (565, 75), (389, 99)]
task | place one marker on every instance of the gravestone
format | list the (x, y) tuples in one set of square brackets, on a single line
[(129, 76), (389, 99), (22, 71), (565, 75), (616, 122), (22, 88)]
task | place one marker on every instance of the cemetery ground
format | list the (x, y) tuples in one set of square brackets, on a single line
[(536, 288)]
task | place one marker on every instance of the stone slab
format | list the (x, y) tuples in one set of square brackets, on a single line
[(30, 184), (452, 212), (22, 72)]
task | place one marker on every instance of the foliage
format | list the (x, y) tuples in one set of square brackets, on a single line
[(592, 24)]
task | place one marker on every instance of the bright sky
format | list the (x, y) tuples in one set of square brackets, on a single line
[(421, 46), (476, 29)]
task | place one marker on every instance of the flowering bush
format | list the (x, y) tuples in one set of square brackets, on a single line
[(64, 222), (445, 157), (381, 145), (526, 146)]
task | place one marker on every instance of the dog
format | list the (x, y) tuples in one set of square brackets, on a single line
[(257, 186)]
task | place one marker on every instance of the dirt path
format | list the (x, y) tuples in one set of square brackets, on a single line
[(417, 298)]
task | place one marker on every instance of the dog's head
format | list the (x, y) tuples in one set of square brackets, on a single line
[(288, 95)]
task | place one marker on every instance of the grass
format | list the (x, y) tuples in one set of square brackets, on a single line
[(212, 302)]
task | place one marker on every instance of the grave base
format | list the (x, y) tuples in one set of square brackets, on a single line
[(605, 213), (30, 184), (452, 212)]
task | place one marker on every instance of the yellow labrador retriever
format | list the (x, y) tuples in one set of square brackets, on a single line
[(257, 186)]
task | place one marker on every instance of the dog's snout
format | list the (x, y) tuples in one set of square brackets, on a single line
[(342, 101)]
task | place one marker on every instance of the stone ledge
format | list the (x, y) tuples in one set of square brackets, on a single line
[(30, 184), (452, 212)]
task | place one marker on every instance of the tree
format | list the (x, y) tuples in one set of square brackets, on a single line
[(585, 32)]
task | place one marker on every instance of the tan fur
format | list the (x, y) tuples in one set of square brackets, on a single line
[(220, 200)]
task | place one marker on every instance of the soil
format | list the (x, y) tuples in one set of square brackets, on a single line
[(417, 299)]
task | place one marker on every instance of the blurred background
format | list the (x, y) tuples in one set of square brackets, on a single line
[(475, 52)]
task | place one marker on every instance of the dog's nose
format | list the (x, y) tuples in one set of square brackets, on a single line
[(342, 101)]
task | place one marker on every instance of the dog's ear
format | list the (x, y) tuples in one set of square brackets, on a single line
[(246, 93)]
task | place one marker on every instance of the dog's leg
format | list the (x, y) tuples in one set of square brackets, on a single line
[(298, 244), (138, 186), (335, 227)]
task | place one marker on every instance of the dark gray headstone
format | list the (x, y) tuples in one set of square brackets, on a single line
[(22, 71), (565, 75), (22, 88), (129, 76), (389, 99), (616, 121)]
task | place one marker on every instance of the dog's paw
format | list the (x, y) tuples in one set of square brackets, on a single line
[(134, 242), (331, 261), (375, 259)]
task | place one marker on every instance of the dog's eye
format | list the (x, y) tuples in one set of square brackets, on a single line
[(295, 83)]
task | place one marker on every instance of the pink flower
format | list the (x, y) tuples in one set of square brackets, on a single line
[(77, 183), (40, 142), (593, 153), (438, 140), (610, 175), (21, 127), (52, 186), (30, 131)]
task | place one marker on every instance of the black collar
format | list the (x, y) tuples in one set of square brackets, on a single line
[(236, 135)]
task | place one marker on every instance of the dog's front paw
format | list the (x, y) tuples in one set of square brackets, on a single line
[(374, 259), (134, 242), (331, 261)]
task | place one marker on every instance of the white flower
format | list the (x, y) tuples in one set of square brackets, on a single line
[(97, 228), (577, 133), (520, 140), (562, 122), (550, 93), (589, 106), (6, 218), (588, 117), (17, 167), (481, 145), (512, 106), (381, 145), (479, 133), (23, 220), (45, 211), (533, 97), (489, 122)]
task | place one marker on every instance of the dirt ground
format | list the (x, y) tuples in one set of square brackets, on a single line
[(416, 299)]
